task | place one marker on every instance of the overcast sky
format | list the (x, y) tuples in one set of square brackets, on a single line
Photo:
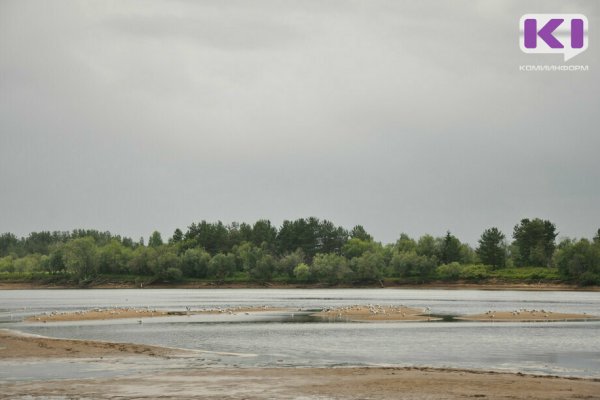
[(402, 116)]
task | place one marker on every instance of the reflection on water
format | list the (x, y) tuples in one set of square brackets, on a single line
[(298, 339)]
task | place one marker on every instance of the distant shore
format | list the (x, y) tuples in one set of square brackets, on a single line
[(7, 285), (265, 383)]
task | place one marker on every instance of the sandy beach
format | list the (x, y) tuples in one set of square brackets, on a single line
[(16, 345), (270, 383), (118, 313), (375, 313), (528, 316)]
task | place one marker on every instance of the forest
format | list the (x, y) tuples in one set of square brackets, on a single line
[(306, 251)]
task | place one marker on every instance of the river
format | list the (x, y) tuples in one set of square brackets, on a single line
[(294, 339)]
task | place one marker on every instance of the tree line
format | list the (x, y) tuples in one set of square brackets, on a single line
[(305, 250)]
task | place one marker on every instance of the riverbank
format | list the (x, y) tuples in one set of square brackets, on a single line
[(312, 383), (17, 345), (7, 285), (267, 383)]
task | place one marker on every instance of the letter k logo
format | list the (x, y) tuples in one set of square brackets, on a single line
[(565, 34), (531, 33)]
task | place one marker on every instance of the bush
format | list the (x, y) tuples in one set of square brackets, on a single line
[(302, 272), (474, 273), (449, 272), (589, 279), (173, 274)]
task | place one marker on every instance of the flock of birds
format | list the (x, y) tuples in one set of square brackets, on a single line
[(374, 309), (526, 313)]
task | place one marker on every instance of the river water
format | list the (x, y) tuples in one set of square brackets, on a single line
[(295, 339)]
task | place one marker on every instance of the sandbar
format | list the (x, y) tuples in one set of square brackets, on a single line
[(375, 313), (528, 316), (121, 312)]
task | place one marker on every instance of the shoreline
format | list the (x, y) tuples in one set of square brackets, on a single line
[(351, 382), (98, 314), (249, 285), (17, 345)]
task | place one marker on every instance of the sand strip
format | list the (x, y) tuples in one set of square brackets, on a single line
[(119, 312), (528, 316), (15, 344), (314, 383), (375, 313)]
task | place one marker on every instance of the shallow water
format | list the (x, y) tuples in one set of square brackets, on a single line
[(280, 339)]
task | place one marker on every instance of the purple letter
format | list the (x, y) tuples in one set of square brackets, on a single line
[(576, 33), (545, 33)]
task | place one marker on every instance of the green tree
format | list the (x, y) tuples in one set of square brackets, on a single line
[(357, 247), (155, 240), (426, 246), (579, 260), (359, 232), (113, 258), (29, 263), (405, 243), (194, 263), (331, 238), (369, 266), (449, 272), (9, 244), (330, 269), (449, 249), (166, 260), (264, 268), (7, 264), (411, 264), (143, 260), (81, 257), (467, 255), (222, 266), (177, 236), (214, 238), (264, 232), (288, 263), (492, 249), (302, 272), (247, 255), (534, 240), (56, 262)]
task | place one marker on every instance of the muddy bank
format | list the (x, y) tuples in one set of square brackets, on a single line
[(14, 345), (313, 383), (268, 383)]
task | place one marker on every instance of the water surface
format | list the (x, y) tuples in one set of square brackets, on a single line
[(294, 339)]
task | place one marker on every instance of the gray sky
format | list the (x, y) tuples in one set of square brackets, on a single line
[(402, 116)]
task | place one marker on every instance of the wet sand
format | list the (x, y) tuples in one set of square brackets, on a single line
[(117, 313), (313, 383), (528, 316), (375, 313), (270, 383), (15, 345)]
